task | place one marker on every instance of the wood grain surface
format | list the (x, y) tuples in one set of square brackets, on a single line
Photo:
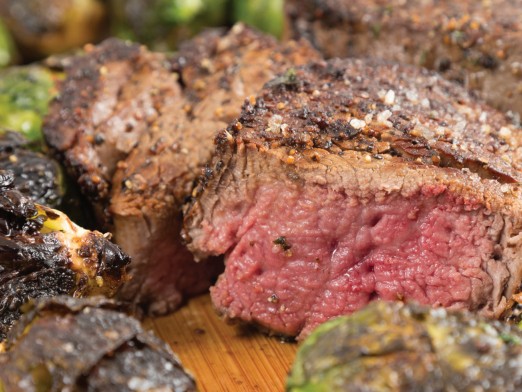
[(224, 357)]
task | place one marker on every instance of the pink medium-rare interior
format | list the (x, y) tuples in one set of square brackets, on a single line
[(338, 253)]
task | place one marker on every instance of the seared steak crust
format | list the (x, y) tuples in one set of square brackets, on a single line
[(111, 95), (478, 43), (339, 183)]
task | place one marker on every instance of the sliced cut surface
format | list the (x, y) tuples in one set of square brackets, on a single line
[(348, 181)]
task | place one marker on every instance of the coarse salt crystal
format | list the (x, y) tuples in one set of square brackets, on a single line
[(357, 124), (389, 98), (504, 188), (383, 116), (412, 95), (425, 103), (274, 123), (461, 126), (505, 133)]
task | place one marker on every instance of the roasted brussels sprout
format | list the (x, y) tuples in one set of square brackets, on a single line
[(162, 24), (41, 28), (69, 344), (35, 175), (395, 347), (42, 253), (25, 93), (266, 15)]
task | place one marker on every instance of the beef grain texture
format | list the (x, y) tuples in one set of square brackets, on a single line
[(141, 187), (478, 43), (69, 344), (43, 254), (349, 181)]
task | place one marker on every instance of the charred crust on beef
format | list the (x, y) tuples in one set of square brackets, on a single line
[(110, 95), (485, 143), (476, 44)]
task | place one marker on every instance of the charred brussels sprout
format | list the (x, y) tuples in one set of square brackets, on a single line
[(397, 347), (25, 93), (41, 28), (42, 253), (35, 175), (266, 15), (68, 344), (7, 48), (162, 24)]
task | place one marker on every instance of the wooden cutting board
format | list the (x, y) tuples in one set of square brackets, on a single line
[(224, 357)]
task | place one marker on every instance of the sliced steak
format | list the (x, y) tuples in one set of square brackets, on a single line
[(135, 130), (348, 181), (218, 70), (111, 95), (478, 43)]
